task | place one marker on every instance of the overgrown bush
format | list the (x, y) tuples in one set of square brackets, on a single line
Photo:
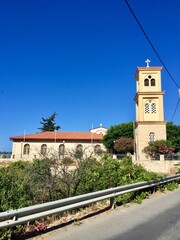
[(159, 147), (15, 190), (24, 183), (28, 183), (111, 172)]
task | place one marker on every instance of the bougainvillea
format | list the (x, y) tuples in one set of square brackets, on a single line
[(159, 147), (124, 145)]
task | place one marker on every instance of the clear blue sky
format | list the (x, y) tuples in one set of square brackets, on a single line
[(78, 58)]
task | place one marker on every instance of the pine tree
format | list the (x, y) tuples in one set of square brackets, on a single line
[(48, 124)]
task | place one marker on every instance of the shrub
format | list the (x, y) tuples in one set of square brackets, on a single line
[(124, 145), (159, 147)]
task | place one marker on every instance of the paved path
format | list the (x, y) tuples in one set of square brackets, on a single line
[(157, 218)]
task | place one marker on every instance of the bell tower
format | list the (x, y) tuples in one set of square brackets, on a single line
[(150, 124)]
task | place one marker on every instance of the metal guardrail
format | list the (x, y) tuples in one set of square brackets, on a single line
[(23, 215)]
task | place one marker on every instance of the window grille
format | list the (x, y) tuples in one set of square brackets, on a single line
[(147, 108), (151, 137), (153, 108)]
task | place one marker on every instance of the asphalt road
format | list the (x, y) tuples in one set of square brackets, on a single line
[(157, 218)]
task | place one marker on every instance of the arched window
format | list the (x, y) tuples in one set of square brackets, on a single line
[(146, 110), (153, 108), (151, 137), (44, 149), (149, 80), (153, 82), (61, 150), (26, 149), (146, 82), (79, 151), (97, 150), (79, 148)]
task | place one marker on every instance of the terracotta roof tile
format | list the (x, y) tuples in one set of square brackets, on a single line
[(61, 136)]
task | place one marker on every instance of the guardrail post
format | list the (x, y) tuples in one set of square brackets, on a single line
[(15, 218), (112, 203)]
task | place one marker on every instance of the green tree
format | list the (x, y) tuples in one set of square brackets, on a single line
[(48, 124), (173, 135), (118, 131)]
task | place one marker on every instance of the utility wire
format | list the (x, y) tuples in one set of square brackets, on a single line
[(152, 45), (177, 85)]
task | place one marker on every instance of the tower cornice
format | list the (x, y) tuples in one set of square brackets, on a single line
[(150, 122), (148, 94), (146, 69)]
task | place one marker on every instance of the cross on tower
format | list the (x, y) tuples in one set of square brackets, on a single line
[(147, 62)]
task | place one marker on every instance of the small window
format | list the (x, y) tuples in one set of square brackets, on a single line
[(153, 108), (151, 137), (146, 82), (44, 149), (146, 108), (153, 82), (26, 149)]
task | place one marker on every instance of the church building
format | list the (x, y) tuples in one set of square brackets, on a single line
[(57, 144)]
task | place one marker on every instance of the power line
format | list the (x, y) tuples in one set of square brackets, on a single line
[(160, 59), (152, 45)]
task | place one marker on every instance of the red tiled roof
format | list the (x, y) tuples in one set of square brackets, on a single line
[(59, 136)]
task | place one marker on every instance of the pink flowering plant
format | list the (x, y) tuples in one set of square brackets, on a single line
[(159, 147), (124, 145)]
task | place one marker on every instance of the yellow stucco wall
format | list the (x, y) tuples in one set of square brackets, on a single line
[(142, 132)]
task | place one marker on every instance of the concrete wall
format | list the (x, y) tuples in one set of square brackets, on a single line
[(159, 166)]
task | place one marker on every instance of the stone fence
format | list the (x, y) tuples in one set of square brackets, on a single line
[(159, 165)]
